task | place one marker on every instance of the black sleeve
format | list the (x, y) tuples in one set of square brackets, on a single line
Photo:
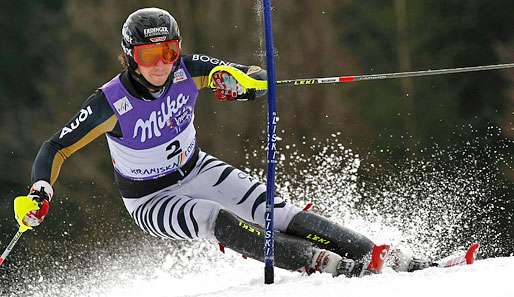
[(94, 118), (199, 66)]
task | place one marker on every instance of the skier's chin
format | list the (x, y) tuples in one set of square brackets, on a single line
[(157, 79)]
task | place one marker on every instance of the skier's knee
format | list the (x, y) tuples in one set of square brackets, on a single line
[(283, 214), (210, 220)]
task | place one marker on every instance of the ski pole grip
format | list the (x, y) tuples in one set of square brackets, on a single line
[(242, 78)]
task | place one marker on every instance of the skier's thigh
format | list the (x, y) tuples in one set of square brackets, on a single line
[(177, 217), (236, 191), (241, 194)]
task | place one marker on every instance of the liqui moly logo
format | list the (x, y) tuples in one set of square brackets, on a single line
[(155, 31), (157, 120)]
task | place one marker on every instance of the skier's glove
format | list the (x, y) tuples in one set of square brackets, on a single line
[(227, 88), (30, 210)]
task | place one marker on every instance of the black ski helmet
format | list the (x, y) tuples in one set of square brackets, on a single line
[(144, 26)]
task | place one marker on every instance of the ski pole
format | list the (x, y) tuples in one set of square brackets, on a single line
[(10, 246), (251, 83), (352, 78)]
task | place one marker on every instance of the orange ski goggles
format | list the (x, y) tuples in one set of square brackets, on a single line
[(150, 54)]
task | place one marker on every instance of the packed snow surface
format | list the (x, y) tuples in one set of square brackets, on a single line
[(488, 277), (228, 274)]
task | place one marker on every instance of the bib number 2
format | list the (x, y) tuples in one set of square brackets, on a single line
[(174, 149)]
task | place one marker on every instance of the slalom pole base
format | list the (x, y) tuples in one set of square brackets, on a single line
[(269, 277)]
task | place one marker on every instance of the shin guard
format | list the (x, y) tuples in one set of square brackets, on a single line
[(330, 236), (292, 253)]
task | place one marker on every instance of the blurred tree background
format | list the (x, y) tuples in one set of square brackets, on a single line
[(55, 53)]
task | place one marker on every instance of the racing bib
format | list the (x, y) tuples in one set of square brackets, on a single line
[(158, 135)]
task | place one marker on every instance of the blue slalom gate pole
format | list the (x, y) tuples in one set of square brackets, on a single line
[(272, 145)]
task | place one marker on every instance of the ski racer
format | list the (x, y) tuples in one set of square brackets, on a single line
[(169, 185)]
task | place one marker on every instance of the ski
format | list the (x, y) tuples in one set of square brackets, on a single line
[(464, 258), (400, 261)]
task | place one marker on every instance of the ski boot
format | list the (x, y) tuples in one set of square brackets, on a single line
[(326, 261)]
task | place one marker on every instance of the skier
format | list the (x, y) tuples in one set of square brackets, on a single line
[(173, 189)]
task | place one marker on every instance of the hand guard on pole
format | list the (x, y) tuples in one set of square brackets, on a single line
[(227, 88), (30, 210)]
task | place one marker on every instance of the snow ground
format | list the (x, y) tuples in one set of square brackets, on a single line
[(442, 210), (488, 277)]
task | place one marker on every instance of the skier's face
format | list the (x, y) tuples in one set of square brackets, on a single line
[(157, 74)]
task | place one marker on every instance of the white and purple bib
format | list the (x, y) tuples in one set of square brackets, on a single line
[(158, 135)]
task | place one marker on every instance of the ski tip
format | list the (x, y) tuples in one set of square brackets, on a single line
[(1, 261), (472, 252)]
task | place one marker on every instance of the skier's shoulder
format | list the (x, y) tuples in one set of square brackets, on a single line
[(93, 113), (98, 102), (200, 64)]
